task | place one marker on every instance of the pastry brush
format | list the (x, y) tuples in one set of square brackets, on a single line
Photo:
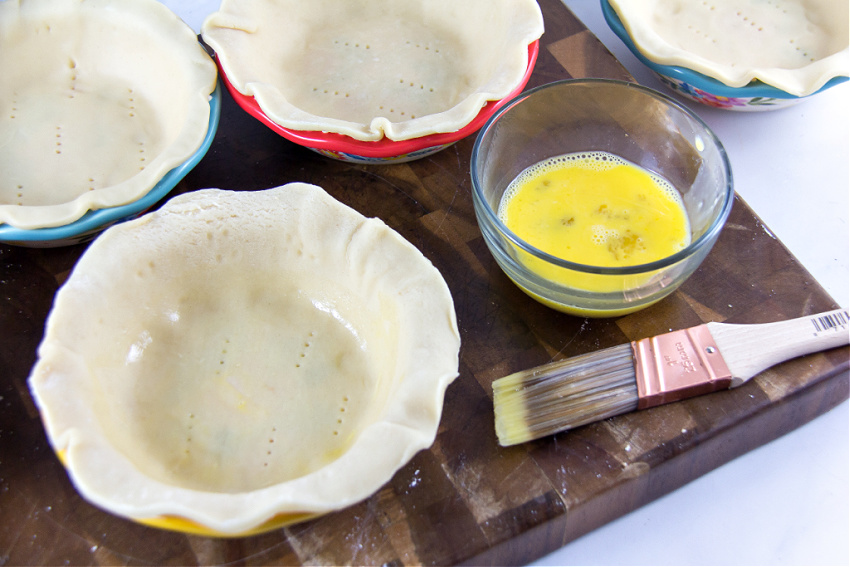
[(673, 366)]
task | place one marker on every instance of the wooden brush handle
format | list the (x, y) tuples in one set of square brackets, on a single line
[(749, 349)]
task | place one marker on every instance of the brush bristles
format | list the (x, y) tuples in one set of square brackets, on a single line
[(564, 394)]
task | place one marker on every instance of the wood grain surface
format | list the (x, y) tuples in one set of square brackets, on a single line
[(465, 500)]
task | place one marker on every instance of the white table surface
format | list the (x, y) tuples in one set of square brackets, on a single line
[(787, 502)]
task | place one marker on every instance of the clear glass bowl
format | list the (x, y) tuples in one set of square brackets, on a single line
[(640, 125)]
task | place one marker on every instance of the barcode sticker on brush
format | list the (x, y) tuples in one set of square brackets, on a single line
[(830, 321)]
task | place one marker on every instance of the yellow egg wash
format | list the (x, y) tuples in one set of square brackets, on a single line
[(595, 209)]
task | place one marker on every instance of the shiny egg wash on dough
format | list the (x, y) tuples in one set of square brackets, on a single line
[(235, 355), (273, 384)]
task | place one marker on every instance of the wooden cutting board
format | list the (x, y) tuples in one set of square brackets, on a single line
[(465, 500)]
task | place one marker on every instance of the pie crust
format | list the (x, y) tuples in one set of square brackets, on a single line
[(374, 68), (99, 100), (236, 356), (794, 45)]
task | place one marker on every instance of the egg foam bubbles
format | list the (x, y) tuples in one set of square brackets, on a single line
[(596, 209)]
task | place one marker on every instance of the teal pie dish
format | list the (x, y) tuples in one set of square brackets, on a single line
[(94, 222)]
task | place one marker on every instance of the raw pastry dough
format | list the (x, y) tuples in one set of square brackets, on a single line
[(99, 99), (794, 45), (237, 355), (369, 68)]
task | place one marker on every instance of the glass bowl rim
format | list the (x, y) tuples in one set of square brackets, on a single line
[(490, 217)]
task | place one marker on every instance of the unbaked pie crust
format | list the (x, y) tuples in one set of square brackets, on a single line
[(99, 99), (236, 356), (794, 45), (374, 68)]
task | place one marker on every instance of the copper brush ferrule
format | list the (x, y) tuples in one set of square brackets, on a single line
[(678, 365)]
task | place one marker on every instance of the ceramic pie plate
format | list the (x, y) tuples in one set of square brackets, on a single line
[(237, 361), (94, 222), (346, 148), (796, 46), (374, 69), (99, 100)]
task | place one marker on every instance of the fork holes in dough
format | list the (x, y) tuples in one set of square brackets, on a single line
[(339, 420), (271, 442), (187, 451), (427, 48), (349, 44), (305, 347), (65, 133)]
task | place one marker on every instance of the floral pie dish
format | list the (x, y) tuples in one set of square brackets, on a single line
[(236, 361), (738, 55), (100, 99), (371, 69)]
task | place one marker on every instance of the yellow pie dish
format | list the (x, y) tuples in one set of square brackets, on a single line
[(237, 361)]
